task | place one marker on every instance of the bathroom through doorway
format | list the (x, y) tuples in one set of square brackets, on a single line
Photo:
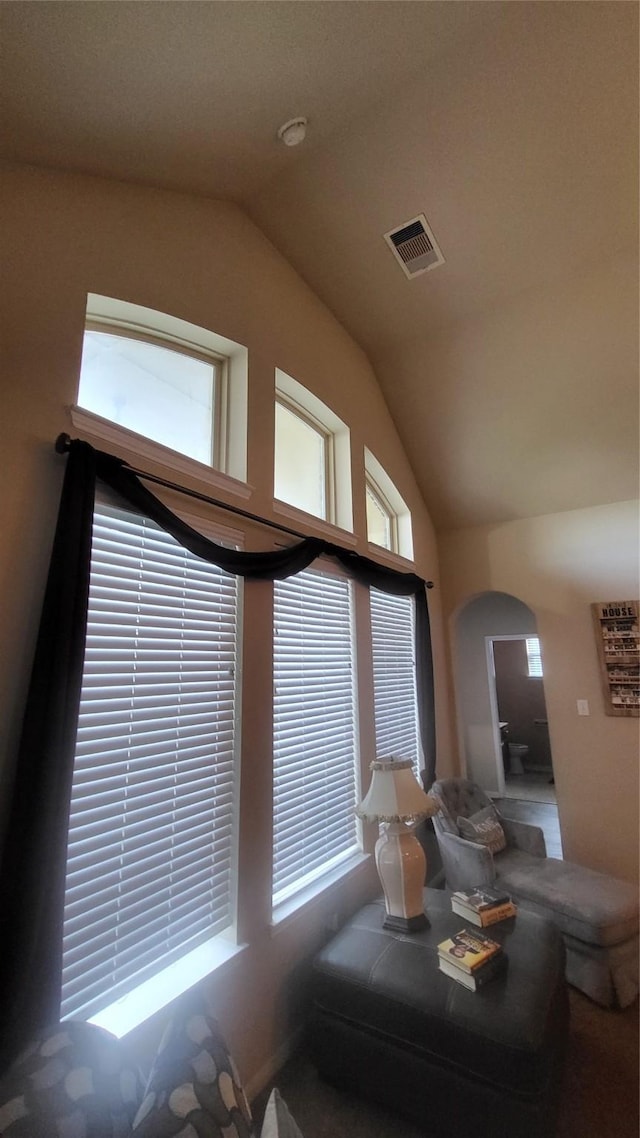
[(515, 669)]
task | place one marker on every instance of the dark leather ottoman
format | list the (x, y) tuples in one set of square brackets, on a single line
[(386, 1023)]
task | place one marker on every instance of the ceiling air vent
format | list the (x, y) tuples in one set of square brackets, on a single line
[(415, 247)]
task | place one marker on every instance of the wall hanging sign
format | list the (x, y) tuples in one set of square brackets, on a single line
[(618, 639)]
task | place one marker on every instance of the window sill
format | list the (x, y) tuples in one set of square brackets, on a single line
[(340, 536), (398, 560), (287, 911), (138, 447), (154, 994)]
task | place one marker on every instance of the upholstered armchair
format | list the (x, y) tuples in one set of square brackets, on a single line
[(596, 914), (468, 863)]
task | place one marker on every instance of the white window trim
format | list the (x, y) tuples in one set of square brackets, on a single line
[(310, 521), (123, 317), (158, 991), (307, 405), (377, 477)]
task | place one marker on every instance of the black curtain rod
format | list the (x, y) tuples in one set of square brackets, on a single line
[(63, 442)]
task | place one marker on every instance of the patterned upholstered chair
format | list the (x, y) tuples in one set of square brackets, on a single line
[(74, 1081), (597, 914), (78, 1081)]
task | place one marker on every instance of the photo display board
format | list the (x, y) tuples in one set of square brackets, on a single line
[(618, 638)]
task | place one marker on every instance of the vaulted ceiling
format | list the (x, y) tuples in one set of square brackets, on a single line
[(511, 371)]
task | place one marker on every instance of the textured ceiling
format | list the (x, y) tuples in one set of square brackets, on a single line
[(511, 371)]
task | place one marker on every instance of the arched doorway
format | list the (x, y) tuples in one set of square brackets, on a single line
[(502, 718)]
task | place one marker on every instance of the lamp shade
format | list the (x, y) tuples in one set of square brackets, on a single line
[(395, 795)]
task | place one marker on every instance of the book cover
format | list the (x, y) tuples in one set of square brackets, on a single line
[(480, 899), (474, 980), (469, 949), (486, 916)]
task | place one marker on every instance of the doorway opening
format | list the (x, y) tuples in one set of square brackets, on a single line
[(490, 634), (519, 707)]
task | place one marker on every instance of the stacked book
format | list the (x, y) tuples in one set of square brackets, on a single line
[(482, 906), (471, 958)]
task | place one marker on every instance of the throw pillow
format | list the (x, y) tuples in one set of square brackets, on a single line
[(74, 1081), (484, 828), (194, 1086), (278, 1122)]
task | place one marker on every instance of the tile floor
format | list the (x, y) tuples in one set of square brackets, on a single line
[(534, 786), (543, 814)]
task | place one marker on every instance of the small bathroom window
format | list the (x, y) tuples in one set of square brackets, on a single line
[(534, 659)]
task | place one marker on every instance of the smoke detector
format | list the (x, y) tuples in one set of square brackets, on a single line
[(292, 133), (414, 246)]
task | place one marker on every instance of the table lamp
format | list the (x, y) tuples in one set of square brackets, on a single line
[(396, 799)]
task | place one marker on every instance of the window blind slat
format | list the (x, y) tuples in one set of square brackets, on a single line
[(136, 918), (96, 860)]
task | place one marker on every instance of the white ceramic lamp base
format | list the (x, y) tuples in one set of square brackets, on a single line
[(402, 867)]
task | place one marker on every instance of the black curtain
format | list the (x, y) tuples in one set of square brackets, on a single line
[(34, 857), (35, 846)]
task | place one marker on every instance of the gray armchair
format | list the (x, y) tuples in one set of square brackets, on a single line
[(466, 863), (596, 914)]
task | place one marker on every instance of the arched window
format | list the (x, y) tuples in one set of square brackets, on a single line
[(164, 388), (388, 516), (312, 467)]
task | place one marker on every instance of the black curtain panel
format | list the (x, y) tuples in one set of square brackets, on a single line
[(34, 859), (35, 846)]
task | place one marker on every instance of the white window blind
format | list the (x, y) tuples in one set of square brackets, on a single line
[(534, 658), (394, 677), (151, 839), (314, 733)]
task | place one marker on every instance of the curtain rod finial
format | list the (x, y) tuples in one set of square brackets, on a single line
[(429, 584), (63, 442)]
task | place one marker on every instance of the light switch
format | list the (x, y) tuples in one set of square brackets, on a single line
[(583, 706)]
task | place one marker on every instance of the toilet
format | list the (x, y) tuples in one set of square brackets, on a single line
[(517, 752)]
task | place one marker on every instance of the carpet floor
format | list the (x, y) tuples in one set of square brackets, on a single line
[(600, 1097)]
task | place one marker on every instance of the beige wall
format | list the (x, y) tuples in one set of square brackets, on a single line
[(559, 564), (205, 262)]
